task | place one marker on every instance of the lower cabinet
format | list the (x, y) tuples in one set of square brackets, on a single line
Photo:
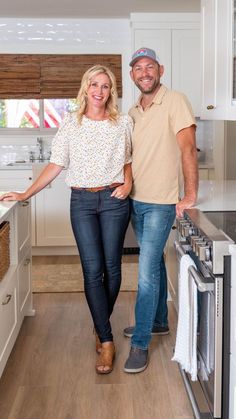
[(171, 266), (24, 285), (15, 286), (53, 227), (8, 319)]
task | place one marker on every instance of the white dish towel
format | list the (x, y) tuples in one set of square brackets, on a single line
[(186, 340)]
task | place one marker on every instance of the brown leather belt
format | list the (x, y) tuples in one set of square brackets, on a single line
[(98, 188)]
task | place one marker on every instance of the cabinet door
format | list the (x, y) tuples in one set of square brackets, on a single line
[(179, 52), (53, 226), (186, 65), (23, 227), (216, 62), (172, 266), (8, 320), (24, 285), (160, 41)]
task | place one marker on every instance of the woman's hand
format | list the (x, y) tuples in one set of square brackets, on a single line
[(13, 196), (121, 192)]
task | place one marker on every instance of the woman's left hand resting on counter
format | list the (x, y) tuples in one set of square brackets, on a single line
[(13, 196), (46, 176)]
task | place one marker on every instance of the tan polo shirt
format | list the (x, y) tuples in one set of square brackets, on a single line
[(156, 154)]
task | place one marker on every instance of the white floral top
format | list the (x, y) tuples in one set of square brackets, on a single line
[(94, 152)]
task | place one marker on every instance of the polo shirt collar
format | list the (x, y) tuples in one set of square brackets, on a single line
[(160, 94), (157, 99)]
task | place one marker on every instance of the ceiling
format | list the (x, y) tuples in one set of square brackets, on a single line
[(92, 8)]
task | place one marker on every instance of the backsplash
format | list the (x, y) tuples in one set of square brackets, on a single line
[(21, 148), (204, 138), (10, 153)]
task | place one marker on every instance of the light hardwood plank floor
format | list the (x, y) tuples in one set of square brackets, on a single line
[(51, 375)]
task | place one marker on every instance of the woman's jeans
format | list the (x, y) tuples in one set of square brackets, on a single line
[(99, 222), (152, 224)]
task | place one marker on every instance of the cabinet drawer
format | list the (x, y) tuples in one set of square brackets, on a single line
[(8, 315)]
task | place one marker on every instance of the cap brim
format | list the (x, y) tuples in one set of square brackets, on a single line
[(139, 58)]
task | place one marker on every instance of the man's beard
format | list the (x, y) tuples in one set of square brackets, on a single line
[(148, 90)]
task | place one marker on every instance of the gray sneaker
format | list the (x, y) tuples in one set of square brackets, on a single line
[(156, 330), (137, 361)]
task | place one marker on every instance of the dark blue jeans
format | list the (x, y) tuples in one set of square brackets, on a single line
[(99, 222)]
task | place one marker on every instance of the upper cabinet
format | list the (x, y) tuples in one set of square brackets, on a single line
[(176, 39), (218, 65)]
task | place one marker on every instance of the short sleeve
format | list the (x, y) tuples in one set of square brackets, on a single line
[(60, 144), (181, 113), (128, 135)]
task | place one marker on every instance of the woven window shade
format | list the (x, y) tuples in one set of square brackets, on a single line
[(50, 76)]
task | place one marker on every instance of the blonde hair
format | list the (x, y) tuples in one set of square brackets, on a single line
[(111, 105)]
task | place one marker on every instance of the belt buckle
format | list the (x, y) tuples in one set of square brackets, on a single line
[(91, 189)]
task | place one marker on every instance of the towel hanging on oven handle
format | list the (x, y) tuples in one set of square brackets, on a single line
[(203, 284)]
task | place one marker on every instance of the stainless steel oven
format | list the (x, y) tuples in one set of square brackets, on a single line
[(207, 246)]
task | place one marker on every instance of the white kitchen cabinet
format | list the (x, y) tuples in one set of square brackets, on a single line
[(15, 286), (8, 319), (24, 284), (24, 227), (217, 60), (171, 266), (176, 39), (53, 227)]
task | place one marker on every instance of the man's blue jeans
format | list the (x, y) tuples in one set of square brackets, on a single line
[(152, 224), (99, 223)]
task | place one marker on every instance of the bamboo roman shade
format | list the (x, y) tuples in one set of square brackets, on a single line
[(50, 76)]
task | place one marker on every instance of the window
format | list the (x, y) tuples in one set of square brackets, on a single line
[(34, 113), (35, 89)]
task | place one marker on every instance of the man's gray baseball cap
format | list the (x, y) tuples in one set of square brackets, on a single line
[(143, 53)]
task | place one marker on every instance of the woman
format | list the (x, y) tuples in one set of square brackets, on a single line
[(94, 143)]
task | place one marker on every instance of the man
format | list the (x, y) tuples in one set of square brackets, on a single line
[(163, 141)]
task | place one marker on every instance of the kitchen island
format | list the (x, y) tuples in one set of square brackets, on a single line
[(217, 195), (15, 286)]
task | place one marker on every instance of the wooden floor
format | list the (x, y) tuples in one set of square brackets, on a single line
[(50, 373)]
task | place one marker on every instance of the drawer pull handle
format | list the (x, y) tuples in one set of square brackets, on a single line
[(210, 107), (26, 262), (6, 301), (24, 203)]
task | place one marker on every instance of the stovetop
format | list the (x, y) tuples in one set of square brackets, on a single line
[(225, 221)]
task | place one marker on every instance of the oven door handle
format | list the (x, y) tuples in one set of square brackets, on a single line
[(203, 285)]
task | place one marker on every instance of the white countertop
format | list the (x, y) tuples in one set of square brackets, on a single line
[(5, 208), (217, 195), (213, 196)]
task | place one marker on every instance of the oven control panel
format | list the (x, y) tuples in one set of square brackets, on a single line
[(205, 240), (199, 243)]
